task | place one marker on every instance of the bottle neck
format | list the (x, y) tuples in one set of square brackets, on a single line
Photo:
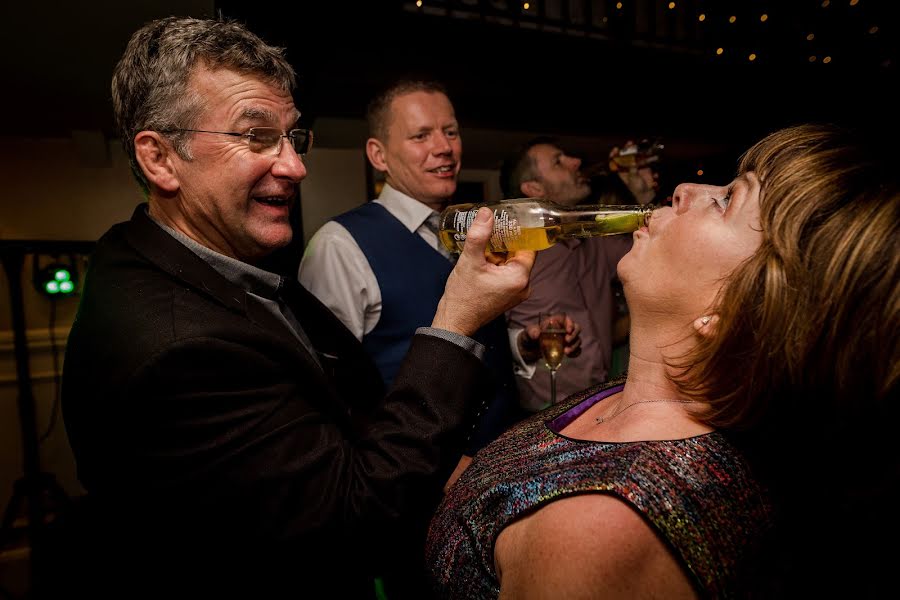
[(593, 220), (591, 211)]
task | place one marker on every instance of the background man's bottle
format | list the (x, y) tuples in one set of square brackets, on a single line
[(536, 224), (642, 154)]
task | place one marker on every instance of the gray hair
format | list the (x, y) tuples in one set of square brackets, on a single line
[(150, 82)]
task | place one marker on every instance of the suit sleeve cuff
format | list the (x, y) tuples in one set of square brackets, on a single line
[(466, 343)]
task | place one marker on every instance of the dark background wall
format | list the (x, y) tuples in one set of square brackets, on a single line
[(646, 70), (557, 67)]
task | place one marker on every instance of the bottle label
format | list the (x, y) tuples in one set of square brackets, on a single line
[(506, 227), (462, 220)]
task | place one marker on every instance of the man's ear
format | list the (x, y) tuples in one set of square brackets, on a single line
[(532, 189), (375, 152), (154, 156)]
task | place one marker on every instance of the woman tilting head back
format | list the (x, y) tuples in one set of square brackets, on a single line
[(806, 356), (760, 399), (814, 312), (811, 324)]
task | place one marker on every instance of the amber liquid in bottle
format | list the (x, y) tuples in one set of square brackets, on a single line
[(637, 156), (535, 224)]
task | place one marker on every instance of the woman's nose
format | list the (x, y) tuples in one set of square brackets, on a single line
[(681, 198), (687, 193)]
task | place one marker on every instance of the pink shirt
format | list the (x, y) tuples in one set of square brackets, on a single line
[(573, 276)]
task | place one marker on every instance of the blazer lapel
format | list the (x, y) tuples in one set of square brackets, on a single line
[(353, 373), (175, 258), (345, 370)]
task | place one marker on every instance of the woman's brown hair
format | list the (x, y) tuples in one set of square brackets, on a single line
[(812, 316)]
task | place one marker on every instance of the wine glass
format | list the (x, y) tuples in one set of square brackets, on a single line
[(553, 341)]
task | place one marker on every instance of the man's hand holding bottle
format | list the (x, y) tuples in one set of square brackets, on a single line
[(482, 285)]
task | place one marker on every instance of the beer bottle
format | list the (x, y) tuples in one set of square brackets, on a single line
[(639, 155), (536, 224)]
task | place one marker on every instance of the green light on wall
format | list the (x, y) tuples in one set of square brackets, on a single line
[(55, 280)]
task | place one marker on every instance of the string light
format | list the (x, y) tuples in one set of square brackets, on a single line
[(809, 16), (699, 172)]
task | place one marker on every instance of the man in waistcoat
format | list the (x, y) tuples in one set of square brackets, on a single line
[(381, 267)]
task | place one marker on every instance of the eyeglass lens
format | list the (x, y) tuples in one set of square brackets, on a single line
[(268, 139)]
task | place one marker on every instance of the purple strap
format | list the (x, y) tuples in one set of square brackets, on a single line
[(563, 420)]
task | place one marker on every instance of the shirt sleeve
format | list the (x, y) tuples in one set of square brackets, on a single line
[(337, 272), (552, 271), (520, 367)]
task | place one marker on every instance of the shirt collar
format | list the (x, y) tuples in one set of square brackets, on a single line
[(246, 276), (406, 209)]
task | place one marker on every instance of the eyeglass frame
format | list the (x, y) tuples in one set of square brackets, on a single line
[(291, 135)]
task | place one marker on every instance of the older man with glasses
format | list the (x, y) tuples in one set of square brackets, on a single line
[(231, 433)]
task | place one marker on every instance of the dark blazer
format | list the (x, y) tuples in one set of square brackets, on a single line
[(213, 446)]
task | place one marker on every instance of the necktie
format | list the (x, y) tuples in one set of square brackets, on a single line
[(433, 224)]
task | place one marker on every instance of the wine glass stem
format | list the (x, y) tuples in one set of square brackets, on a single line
[(553, 387)]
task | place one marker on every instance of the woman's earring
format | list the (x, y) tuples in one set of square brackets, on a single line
[(705, 325)]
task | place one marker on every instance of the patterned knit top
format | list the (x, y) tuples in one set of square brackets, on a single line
[(697, 493)]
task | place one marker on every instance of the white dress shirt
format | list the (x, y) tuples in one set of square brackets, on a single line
[(337, 272)]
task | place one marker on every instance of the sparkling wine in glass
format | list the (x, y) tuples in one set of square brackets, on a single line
[(553, 341)]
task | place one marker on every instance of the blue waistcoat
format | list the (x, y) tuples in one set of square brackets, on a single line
[(411, 276)]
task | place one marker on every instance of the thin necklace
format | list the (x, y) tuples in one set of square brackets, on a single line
[(623, 409)]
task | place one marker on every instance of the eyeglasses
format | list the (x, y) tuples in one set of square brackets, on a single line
[(266, 140)]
